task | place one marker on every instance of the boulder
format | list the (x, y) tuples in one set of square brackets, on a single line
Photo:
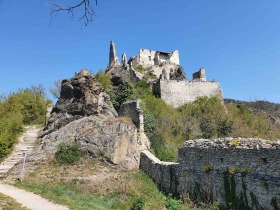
[(115, 139)]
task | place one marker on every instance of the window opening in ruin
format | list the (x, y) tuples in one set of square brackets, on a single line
[(150, 58)]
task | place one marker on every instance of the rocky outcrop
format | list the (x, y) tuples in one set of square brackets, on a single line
[(132, 110), (80, 96), (84, 114), (119, 74), (112, 138)]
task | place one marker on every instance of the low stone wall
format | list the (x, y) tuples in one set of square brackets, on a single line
[(177, 93), (163, 173), (238, 173)]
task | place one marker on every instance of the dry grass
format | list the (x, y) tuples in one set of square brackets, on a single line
[(119, 119), (7, 203), (95, 177)]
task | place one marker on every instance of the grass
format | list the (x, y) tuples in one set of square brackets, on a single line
[(66, 194), (7, 203), (97, 184), (93, 184)]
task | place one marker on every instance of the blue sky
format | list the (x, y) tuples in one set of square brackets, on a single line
[(237, 41)]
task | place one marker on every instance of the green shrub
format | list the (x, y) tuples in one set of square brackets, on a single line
[(172, 203), (149, 124), (31, 105), (26, 106), (122, 94), (104, 79), (68, 153), (140, 68), (143, 88), (138, 204)]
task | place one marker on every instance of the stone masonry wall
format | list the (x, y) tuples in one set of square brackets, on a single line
[(177, 93), (144, 55), (163, 173), (238, 173)]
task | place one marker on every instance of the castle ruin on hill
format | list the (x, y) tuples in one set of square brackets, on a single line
[(163, 71)]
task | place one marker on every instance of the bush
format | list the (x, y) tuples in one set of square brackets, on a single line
[(104, 79), (140, 68), (172, 203), (31, 105), (26, 106), (149, 124), (138, 204), (68, 153), (122, 94)]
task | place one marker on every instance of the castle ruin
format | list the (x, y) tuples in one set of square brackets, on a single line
[(166, 76)]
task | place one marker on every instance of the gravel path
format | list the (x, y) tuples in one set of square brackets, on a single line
[(28, 199)]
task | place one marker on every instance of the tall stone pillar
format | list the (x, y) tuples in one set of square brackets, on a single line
[(113, 59), (124, 60)]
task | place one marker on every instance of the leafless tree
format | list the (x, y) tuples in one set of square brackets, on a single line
[(56, 89), (86, 7), (38, 89)]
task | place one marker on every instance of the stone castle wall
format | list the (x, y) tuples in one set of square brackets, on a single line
[(177, 93), (150, 57), (239, 173), (162, 173), (146, 57), (174, 57)]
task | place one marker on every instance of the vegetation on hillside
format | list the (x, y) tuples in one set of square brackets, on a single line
[(168, 128), (96, 184), (265, 108), (24, 107)]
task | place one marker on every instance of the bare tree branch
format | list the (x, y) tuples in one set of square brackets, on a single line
[(56, 89), (86, 7)]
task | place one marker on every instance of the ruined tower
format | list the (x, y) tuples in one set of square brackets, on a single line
[(113, 59)]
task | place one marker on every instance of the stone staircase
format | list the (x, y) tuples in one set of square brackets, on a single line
[(24, 146)]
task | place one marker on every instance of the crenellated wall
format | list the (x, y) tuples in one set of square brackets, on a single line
[(238, 173)]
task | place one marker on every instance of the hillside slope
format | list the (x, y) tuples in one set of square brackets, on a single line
[(268, 109)]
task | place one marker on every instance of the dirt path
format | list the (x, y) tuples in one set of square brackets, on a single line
[(28, 199), (24, 146)]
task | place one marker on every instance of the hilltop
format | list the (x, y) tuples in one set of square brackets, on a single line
[(139, 114)]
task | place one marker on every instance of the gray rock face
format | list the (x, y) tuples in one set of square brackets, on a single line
[(85, 114), (132, 110), (119, 74), (113, 138), (80, 96)]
